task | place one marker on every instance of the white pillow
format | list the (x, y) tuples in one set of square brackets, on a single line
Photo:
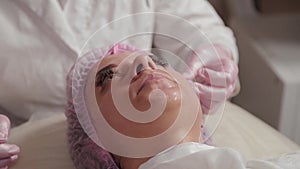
[(249, 135)]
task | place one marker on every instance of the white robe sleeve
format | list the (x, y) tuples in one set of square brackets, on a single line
[(198, 13)]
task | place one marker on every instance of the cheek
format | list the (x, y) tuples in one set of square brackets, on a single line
[(109, 111), (142, 101), (132, 129), (105, 104)]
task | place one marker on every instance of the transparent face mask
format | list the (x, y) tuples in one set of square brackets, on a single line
[(102, 125), (97, 119)]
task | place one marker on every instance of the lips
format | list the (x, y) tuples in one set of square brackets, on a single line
[(145, 77)]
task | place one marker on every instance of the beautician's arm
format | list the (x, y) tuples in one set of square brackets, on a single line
[(200, 27), (202, 15)]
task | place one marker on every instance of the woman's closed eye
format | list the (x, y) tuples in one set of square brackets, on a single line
[(159, 60), (104, 75)]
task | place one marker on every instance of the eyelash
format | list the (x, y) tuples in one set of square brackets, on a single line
[(104, 76), (159, 60), (107, 74)]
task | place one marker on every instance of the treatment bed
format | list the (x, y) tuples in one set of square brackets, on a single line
[(43, 143)]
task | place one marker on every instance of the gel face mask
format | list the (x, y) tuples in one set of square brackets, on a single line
[(146, 108)]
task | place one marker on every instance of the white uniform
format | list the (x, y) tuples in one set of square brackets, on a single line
[(193, 155), (40, 41)]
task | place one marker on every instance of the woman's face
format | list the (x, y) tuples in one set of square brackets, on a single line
[(138, 76)]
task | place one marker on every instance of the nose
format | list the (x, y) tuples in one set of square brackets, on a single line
[(134, 65), (139, 68), (141, 63)]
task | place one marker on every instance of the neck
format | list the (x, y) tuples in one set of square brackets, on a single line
[(134, 163)]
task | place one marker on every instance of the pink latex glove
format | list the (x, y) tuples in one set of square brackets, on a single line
[(8, 152), (214, 74)]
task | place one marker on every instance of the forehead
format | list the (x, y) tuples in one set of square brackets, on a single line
[(115, 59)]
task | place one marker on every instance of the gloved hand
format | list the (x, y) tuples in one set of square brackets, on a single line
[(8, 152), (214, 74)]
